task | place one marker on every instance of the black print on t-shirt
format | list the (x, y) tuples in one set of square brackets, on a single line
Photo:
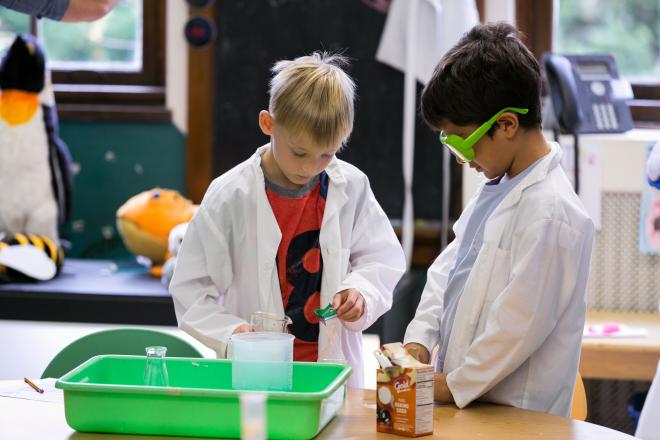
[(304, 268)]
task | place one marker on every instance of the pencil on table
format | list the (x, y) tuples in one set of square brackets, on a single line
[(34, 387)]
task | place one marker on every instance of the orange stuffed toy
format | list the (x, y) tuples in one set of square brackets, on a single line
[(145, 221)]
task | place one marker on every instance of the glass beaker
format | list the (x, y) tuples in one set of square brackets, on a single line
[(270, 322), (155, 370)]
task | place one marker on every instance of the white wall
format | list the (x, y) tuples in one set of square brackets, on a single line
[(176, 68), (500, 10), (622, 158)]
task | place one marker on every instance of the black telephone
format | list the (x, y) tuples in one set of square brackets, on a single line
[(582, 99), (582, 95)]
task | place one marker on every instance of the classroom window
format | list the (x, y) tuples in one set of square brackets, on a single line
[(629, 29), (11, 23), (111, 44), (109, 69)]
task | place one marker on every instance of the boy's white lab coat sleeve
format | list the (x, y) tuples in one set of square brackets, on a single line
[(425, 327), (377, 262), (545, 263), (201, 278)]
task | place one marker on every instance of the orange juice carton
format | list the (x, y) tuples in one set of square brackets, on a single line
[(404, 391)]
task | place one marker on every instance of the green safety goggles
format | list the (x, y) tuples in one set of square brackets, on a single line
[(462, 148)]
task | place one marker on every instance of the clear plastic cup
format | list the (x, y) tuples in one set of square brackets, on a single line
[(262, 361), (253, 416)]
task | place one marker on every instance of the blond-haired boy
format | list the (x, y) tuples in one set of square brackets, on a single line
[(293, 228)]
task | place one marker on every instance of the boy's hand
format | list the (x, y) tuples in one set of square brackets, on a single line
[(418, 351), (349, 305), (243, 328), (441, 392)]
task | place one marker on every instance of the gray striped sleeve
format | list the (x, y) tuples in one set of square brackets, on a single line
[(53, 9)]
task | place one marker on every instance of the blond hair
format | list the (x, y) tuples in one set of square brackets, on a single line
[(312, 95)]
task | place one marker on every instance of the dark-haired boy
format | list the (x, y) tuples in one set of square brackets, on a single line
[(505, 301)]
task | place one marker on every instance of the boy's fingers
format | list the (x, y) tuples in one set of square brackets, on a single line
[(347, 304), (356, 311), (244, 328), (358, 308), (336, 300)]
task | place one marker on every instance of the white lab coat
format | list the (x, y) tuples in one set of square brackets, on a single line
[(648, 427), (438, 25), (518, 326), (226, 267)]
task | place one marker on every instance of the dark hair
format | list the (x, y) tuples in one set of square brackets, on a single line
[(488, 69)]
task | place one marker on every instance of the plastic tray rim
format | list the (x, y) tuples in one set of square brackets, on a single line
[(64, 384)]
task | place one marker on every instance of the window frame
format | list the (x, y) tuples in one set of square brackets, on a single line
[(531, 19), (119, 96)]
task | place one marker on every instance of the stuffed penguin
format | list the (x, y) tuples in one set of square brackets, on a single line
[(35, 171)]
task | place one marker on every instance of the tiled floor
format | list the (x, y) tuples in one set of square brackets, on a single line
[(26, 347)]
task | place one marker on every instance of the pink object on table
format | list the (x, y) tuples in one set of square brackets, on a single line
[(611, 327), (614, 330)]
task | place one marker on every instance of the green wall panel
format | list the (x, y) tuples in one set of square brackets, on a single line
[(112, 162)]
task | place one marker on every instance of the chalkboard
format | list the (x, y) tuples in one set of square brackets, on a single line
[(254, 34)]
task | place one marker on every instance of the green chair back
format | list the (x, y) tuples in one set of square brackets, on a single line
[(130, 341)]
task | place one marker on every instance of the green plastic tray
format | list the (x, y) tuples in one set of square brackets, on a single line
[(105, 394)]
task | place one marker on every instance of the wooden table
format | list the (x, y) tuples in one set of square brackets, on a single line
[(622, 358), (30, 420)]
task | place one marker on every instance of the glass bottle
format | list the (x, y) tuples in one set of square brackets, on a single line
[(155, 370)]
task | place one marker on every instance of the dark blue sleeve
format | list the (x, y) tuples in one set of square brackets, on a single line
[(53, 9), (654, 183)]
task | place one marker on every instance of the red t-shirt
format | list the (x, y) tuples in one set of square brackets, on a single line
[(299, 263)]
